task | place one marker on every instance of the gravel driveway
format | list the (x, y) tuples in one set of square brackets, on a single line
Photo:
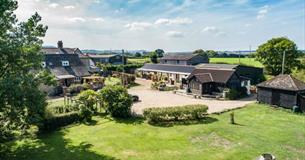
[(151, 98)]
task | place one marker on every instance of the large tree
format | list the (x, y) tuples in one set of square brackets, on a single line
[(270, 54), (201, 52), (159, 52), (21, 102)]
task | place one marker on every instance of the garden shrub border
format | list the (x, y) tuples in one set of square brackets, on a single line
[(177, 113)]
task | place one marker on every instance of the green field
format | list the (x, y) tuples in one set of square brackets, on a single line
[(139, 60), (260, 129), (243, 61)]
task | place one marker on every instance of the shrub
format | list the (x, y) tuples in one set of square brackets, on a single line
[(87, 101), (116, 101), (61, 120), (234, 94), (178, 113), (62, 109)]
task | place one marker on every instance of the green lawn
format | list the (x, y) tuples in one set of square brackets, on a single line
[(260, 129), (243, 61)]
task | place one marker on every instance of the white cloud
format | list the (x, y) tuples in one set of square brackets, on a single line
[(175, 34), (53, 5), (213, 30), (76, 19), (210, 29), (179, 21), (248, 25), (138, 26), (69, 7), (98, 19), (262, 12)]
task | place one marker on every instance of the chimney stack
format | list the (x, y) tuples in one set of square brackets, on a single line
[(60, 45)]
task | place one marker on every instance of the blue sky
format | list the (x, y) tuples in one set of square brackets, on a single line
[(173, 25)]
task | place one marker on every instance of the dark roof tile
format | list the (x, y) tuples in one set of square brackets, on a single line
[(283, 82), (167, 68)]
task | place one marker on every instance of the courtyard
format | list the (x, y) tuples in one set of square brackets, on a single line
[(152, 98)]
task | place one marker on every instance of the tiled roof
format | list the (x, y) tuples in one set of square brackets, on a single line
[(56, 59), (50, 50), (101, 55), (283, 82), (216, 66), (167, 68), (212, 75), (178, 56)]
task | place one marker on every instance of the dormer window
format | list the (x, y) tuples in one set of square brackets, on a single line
[(43, 64), (65, 63)]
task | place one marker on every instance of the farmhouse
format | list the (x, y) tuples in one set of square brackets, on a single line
[(253, 73), (64, 63), (283, 90), (183, 59), (213, 81), (173, 73)]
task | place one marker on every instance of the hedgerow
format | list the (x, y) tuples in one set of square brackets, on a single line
[(178, 113)]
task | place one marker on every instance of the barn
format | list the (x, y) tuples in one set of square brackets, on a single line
[(283, 90)]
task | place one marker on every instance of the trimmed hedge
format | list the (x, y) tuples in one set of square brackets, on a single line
[(61, 120), (178, 113)]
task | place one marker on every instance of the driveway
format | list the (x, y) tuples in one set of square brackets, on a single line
[(152, 98)]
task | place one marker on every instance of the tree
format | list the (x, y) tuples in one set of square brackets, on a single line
[(270, 54), (138, 54), (153, 57), (200, 52), (21, 102), (159, 52), (116, 101), (211, 53)]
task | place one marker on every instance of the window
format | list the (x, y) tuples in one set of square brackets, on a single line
[(77, 79), (43, 64), (65, 63), (178, 61)]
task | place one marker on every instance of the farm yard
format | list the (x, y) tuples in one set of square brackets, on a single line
[(260, 129)]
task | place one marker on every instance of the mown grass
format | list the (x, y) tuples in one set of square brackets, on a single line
[(260, 129), (243, 61)]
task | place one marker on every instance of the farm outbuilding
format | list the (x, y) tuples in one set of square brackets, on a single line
[(282, 90)]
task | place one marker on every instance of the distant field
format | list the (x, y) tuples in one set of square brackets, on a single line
[(243, 61), (138, 60)]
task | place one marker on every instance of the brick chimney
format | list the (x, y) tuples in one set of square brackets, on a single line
[(60, 45)]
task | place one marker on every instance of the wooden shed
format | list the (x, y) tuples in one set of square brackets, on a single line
[(282, 90)]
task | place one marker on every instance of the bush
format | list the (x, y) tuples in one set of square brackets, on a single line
[(179, 113), (87, 101), (61, 120), (234, 94), (116, 101), (62, 109)]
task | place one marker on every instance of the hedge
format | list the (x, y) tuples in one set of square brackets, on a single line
[(178, 113), (61, 120)]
